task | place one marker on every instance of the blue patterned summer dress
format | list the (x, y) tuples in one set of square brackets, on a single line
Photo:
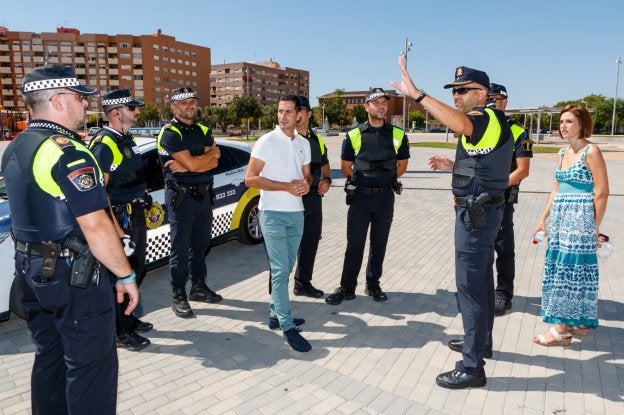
[(570, 286)]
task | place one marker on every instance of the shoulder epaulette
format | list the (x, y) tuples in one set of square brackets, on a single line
[(61, 141)]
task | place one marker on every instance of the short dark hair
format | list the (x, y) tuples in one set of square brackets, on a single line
[(583, 117), (292, 98)]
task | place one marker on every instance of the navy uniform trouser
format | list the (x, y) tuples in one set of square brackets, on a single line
[(133, 225), (474, 276), (505, 254), (75, 368), (312, 227), (191, 227), (376, 210)]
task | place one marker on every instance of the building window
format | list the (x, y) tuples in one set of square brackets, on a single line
[(137, 55), (124, 45)]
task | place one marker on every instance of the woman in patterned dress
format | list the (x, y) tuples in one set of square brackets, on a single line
[(574, 211)]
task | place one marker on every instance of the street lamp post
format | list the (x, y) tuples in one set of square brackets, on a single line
[(408, 44), (618, 62)]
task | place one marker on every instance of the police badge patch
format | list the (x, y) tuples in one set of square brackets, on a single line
[(527, 145), (83, 179)]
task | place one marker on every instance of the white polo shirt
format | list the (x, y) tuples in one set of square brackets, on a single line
[(283, 159)]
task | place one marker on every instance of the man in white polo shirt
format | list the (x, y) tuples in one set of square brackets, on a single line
[(280, 168)]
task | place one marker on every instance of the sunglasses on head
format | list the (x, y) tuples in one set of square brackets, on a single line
[(463, 91)]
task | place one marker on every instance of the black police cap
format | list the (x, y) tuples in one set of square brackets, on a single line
[(465, 76), (120, 98), (497, 89), (54, 76)]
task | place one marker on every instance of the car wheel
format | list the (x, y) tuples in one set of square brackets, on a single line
[(14, 302), (249, 230)]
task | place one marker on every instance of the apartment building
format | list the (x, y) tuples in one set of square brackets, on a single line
[(266, 81), (151, 66), (395, 105)]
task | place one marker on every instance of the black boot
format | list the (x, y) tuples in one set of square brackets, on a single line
[(180, 306), (201, 292)]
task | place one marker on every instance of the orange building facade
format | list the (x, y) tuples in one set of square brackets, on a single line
[(151, 66)]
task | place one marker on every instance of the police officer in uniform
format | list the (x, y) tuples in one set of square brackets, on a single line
[(312, 204), (480, 176), (58, 204), (119, 158), (505, 244), (187, 153), (374, 155)]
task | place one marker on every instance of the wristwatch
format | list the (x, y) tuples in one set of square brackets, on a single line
[(422, 95)]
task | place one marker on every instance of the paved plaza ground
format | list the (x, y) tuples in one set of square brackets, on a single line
[(367, 357)]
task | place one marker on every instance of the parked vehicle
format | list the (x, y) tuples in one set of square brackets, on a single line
[(235, 213)]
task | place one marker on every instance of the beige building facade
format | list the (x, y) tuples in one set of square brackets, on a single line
[(265, 81)]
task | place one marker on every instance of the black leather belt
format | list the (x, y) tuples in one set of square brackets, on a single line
[(494, 200), (37, 249), (374, 190)]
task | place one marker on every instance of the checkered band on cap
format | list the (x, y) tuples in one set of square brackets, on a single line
[(375, 95), (50, 84), (183, 96), (116, 101)]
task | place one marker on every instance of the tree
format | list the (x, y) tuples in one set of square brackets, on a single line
[(359, 113), (244, 107), (269, 116), (149, 115), (417, 118), (217, 117), (335, 110)]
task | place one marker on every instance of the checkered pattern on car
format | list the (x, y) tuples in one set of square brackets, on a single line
[(159, 243)]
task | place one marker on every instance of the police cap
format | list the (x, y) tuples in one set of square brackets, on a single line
[(120, 98), (465, 76), (375, 93), (181, 94), (54, 76), (304, 102), (497, 89)]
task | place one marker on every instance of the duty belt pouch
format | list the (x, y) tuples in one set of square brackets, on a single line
[(50, 252), (350, 190), (511, 194), (83, 263), (476, 212), (178, 198)]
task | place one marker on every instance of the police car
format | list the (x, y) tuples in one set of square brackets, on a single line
[(235, 213)]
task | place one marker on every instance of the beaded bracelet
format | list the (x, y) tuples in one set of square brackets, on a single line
[(127, 280)]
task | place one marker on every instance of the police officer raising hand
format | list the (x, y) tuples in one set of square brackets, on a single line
[(480, 176), (59, 222)]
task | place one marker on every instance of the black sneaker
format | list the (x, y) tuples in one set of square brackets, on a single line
[(376, 293), (457, 345), (201, 292), (274, 322), (502, 304), (308, 291), (132, 341), (296, 341), (139, 326), (339, 295), (180, 305)]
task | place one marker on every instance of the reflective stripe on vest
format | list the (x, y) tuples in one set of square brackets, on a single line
[(46, 157), (516, 131), (114, 148), (488, 141), (172, 127), (355, 135)]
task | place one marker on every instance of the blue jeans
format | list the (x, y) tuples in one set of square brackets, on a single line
[(282, 235)]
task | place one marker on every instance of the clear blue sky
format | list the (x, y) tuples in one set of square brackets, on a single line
[(543, 51)]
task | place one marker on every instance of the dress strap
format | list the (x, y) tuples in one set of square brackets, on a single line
[(585, 152)]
